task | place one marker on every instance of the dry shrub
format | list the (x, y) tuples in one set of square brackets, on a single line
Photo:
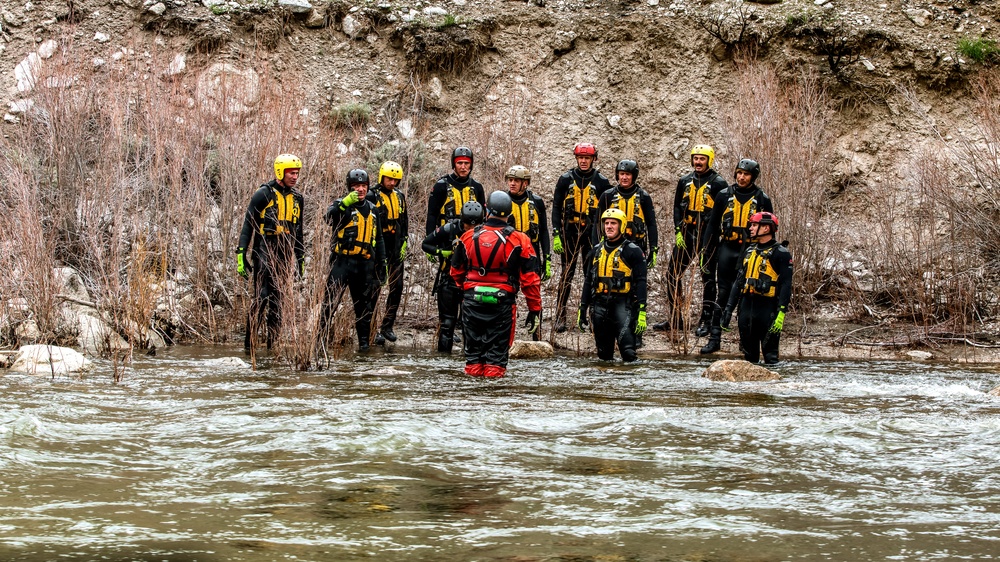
[(784, 125)]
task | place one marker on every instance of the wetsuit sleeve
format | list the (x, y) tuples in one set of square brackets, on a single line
[(334, 216), (637, 261), (602, 205), (649, 211), (258, 201), (765, 203), (784, 268), (434, 202), (460, 261), (531, 282), (601, 185), (558, 201), (679, 203), (300, 238), (713, 229), (739, 281), (404, 218), (543, 225), (437, 240), (478, 192), (588, 278), (380, 249)]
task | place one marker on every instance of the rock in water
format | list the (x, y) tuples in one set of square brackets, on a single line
[(530, 350), (738, 371), (48, 360)]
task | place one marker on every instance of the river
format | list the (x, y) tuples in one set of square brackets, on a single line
[(402, 457)]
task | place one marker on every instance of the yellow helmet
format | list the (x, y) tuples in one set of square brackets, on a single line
[(704, 150), (519, 172), (617, 214), (390, 169), (284, 162)]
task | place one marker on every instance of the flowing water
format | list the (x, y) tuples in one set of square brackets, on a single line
[(395, 457)]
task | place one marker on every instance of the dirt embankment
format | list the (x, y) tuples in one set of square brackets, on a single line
[(523, 82)]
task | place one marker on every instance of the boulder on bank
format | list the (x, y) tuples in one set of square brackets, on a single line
[(738, 371), (523, 349), (48, 360)]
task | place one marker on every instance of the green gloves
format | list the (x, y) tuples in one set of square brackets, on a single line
[(779, 323), (640, 323), (349, 199), (679, 240), (241, 264), (444, 253), (432, 258), (581, 319), (402, 250), (534, 321), (556, 242), (547, 274), (652, 258)]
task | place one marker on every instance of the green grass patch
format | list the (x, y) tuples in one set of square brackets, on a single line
[(980, 49), (351, 115)]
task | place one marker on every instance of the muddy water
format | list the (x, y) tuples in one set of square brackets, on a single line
[(403, 458)]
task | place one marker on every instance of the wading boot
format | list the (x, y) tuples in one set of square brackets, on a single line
[(389, 335), (714, 342), (379, 339), (662, 326), (704, 323), (561, 325)]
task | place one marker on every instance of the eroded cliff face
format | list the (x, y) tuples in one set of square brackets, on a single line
[(645, 80)]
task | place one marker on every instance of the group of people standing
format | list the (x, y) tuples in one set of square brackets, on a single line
[(487, 250)]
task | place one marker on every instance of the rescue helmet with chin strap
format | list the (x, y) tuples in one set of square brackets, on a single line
[(285, 162), (765, 218), (499, 204), (390, 169), (629, 166), (617, 214), (704, 150), (751, 167), (518, 172), (472, 213), (462, 152), (357, 176)]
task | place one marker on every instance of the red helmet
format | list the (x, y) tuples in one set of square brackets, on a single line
[(763, 217), (585, 149)]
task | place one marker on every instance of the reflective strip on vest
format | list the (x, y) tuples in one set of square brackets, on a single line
[(280, 215), (613, 275), (357, 237), (393, 206), (635, 222), (452, 208), (526, 218), (762, 279)]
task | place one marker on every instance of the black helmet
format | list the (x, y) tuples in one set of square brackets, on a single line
[(472, 213), (499, 204), (462, 152), (748, 165), (357, 175), (630, 166)]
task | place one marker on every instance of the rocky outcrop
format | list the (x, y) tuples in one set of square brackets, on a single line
[(530, 350), (738, 371), (49, 360)]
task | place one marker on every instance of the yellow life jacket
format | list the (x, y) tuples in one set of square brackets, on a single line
[(526, 218), (635, 222), (280, 215), (613, 275), (394, 207), (357, 237), (579, 203), (696, 200), (452, 208), (735, 218), (762, 279)]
